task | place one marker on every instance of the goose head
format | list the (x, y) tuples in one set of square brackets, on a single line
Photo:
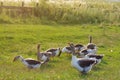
[(17, 57)]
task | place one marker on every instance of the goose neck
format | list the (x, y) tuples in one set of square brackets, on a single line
[(21, 58)]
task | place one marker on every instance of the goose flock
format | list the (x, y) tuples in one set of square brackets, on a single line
[(84, 58)]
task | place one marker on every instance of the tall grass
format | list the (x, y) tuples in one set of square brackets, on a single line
[(89, 12)]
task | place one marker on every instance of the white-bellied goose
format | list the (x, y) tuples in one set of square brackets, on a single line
[(98, 57), (55, 51), (84, 65), (43, 56), (30, 63)]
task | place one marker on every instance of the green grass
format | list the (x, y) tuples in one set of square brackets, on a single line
[(23, 39)]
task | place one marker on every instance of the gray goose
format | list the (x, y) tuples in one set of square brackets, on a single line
[(30, 63), (55, 51), (84, 65), (78, 47), (43, 56), (91, 48), (66, 49)]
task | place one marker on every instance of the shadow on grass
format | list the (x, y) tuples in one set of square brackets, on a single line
[(84, 76), (46, 66)]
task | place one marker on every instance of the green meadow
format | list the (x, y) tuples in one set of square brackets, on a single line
[(53, 26), (22, 39)]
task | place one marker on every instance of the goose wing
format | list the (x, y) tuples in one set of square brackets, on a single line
[(32, 62), (97, 56), (47, 54), (51, 50), (79, 45), (85, 62), (91, 46)]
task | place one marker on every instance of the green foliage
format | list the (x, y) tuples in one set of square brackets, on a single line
[(23, 39)]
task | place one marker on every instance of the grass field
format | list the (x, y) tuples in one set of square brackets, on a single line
[(22, 40)]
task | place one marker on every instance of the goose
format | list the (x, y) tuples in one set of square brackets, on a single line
[(83, 52), (78, 47), (28, 62), (66, 49), (91, 47), (98, 57), (84, 65), (55, 51), (43, 56)]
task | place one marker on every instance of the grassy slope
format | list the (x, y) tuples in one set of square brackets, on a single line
[(22, 40)]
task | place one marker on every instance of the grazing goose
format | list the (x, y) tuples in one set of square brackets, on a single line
[(55, 51), (98, 57), (66, 49), (29, 62), (84, 65), (43, 56), (78, 47)]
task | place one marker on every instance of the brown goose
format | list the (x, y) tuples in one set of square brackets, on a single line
[(55, 51), (43, 56), (83, 65), (30, 63)]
